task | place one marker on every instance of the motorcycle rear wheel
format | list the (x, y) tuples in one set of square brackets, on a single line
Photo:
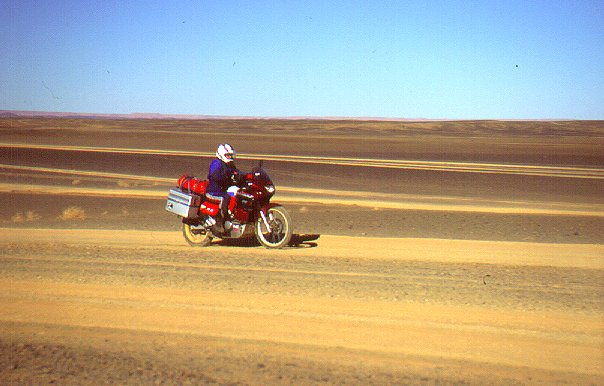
[(280, 232), (196, 236)]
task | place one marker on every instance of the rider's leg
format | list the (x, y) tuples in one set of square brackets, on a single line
[(222, 200), (224, 206)]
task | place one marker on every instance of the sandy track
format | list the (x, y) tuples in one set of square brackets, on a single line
[(332, 197), (590, 256), (510, 308), (444, 305), (463, 167)]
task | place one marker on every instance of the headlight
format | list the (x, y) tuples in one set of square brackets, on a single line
[(270, 188)]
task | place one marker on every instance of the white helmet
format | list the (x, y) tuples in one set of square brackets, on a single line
[(225, 153)]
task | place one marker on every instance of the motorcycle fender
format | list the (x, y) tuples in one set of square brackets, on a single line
[(267, 207)]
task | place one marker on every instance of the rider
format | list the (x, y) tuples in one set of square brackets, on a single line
[(220, 177)]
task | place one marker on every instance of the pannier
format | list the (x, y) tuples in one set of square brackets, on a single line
[(183, 204)]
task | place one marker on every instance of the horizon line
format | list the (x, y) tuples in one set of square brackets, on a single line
[(148, 115)]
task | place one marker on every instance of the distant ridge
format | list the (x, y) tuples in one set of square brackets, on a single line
[(51, 114)]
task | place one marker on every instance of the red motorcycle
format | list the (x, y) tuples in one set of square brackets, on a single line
[(250, 211)]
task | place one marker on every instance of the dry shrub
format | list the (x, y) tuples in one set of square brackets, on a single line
[(76, 182), (134, 184), (124, 184), (73, 213), (303, 209), (28, 216)]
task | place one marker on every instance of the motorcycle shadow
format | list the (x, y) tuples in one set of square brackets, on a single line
[(297, 241)]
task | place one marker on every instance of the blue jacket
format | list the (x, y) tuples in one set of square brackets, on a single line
[(219, 176)]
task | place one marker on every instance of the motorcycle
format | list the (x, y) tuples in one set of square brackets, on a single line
[(250, 211)]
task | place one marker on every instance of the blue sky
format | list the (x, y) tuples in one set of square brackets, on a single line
[(515, 59)]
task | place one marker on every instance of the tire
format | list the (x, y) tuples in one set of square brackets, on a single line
[(196, 236), (281, 230)]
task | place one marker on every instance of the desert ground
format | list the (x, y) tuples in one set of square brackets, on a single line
[(467, 252)]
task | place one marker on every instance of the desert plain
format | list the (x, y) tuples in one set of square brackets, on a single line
[(444, 252)]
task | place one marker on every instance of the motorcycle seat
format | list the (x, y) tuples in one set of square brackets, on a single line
[(213, 199)]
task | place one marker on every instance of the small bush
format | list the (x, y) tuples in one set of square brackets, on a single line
[(28, 216), (124, 184), (73, 213)]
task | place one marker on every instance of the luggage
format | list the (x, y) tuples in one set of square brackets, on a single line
[(187, 198), (183, 204), (191, 184)]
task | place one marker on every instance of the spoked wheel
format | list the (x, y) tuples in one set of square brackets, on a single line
[(196, 235), (280, 230)]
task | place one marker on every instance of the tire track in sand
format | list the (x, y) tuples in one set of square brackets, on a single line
[(510, 336), (461, 167), (361, 199), (307, 195), (589, 256)]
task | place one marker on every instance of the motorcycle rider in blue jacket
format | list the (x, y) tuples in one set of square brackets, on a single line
[(220, 177)]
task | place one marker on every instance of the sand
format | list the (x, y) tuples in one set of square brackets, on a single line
[(422, 255)]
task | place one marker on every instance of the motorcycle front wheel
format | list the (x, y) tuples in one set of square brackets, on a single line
[(280, 230), (196, 236)]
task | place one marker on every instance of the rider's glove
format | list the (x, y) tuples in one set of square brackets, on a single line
[(235, 178)]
